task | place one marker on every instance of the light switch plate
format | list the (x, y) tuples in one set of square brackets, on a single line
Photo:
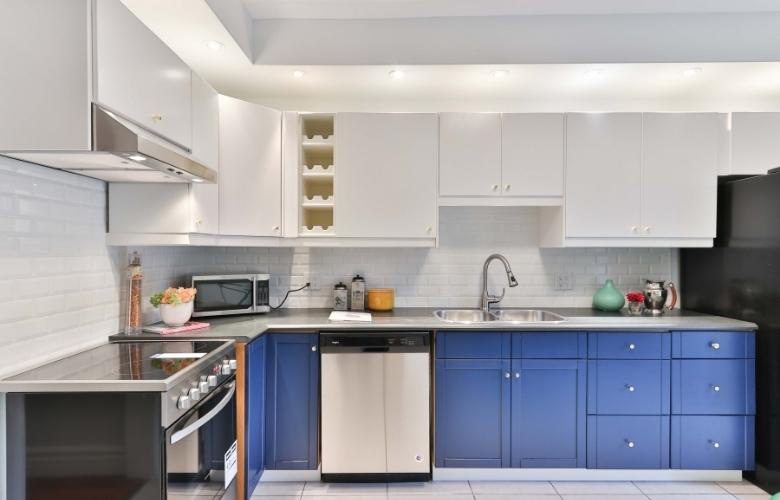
[(563, 281)]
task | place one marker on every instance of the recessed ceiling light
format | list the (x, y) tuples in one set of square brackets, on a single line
[(691, 72), (593, 74), (298, 73), (136, 158), (215, 45), (397, 74), (499, 74)]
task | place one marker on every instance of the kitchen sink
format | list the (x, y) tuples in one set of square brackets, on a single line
[(463, 316), (468, 316), (527, 316)]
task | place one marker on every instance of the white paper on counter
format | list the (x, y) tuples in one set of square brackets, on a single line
[(349, 316)]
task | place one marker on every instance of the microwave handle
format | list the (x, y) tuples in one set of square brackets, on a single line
[(179, 435)]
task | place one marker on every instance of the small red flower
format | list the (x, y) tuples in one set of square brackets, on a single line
[(635, 297)]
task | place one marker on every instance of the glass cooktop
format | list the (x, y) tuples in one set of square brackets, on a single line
[(124, 361)]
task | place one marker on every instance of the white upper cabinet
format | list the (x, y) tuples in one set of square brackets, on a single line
[(138, 76), (532, 154), (250, 169), (470, 154), (755, 143), (386, 175), (603, 175), (205, 149), (679, 175)]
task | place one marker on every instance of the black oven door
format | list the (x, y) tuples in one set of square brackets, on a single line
[(200, 449)]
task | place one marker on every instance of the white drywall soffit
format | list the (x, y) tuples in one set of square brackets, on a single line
[(519, 39), (372, 9)]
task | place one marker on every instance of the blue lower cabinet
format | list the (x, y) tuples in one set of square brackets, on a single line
[(713, 442), (716, 344), (628, 442), (714, 386), (629, 387), (629, 345), (472, 412), (292, 401), (548, 413), (255, 411), (549, 345), (473, 345)]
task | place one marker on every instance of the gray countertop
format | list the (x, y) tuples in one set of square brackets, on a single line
[(246, 328)]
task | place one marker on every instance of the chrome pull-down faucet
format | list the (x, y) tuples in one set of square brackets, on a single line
[(488, 299)]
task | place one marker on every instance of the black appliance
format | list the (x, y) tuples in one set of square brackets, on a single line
[(740, 278), (129, 420)]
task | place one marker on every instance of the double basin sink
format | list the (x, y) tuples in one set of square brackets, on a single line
[(513, 316)]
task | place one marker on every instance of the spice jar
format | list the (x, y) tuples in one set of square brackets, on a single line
[(340, 297), (358, 294)]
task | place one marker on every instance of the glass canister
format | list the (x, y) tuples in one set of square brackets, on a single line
[(134, 279), (340, 297), (358, 294)]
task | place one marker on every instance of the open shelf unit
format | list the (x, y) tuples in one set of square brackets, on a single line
[(317, 142)]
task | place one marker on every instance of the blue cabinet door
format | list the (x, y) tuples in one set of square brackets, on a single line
[(629, 345), (548, 413), (472, 345), (713, 442), (628, 442), (292, 403), (255, 412), (714, 344), (472, 412), (549, 345), (714, 386), (628, 387)]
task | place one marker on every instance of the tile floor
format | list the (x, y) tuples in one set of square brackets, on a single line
[(512, 490)]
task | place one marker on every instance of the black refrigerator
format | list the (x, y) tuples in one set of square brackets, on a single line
[(740, 278)]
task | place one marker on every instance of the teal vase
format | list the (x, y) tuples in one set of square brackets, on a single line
[(608, 298)]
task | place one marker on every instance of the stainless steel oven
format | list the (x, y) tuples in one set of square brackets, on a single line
[(226, 294), (200, 449)]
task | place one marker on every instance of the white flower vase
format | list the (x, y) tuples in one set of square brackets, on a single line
[(176, 314)]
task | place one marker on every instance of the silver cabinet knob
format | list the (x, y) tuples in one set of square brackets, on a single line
[(314, 348), (183, 403), (157, 117), (630, 388), (631, 347), (212, 380), (203, 387), (507, 187), (517, 374), (630, 443), (226, 367), (647, 229), (233, 364), (635, 229), (715, 345), (715, 444), (198, 222), (275, 228), (715, 388), (194, 394), (429, 229), (507, 375), (494, 187)]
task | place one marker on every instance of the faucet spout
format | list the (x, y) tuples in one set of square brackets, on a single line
[(488, 299)]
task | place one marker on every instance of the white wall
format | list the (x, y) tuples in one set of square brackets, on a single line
[(448, 276)]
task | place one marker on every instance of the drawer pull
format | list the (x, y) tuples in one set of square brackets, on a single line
[(517, 374), (631, 347), (715, 444), (630, 388), (715, 345), (715, 388), (507, 375), (630, 443)]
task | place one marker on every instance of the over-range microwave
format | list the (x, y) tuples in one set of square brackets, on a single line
[(225, 294)]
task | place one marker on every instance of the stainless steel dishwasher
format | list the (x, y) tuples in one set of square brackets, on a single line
[(376, 406)]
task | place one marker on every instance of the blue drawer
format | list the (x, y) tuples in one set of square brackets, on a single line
[(472, 345), (628, 442), (549, 345), (714, 387), (708, 442), (715, 344), (629, 345), (628, 387)]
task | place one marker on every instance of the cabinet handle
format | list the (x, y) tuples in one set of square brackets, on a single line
[(630, 443), (635, 229), (314, 348), (507, 375), (157, 118), (630, 388), (715, 345), (647, 229), (631, 347), (198, 222), (715, 388), (429, 229), (276, 228), (494, 187), (714, 444), (507, 187), (517, 374)]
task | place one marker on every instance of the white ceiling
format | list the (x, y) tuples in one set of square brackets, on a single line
[(374, 9)]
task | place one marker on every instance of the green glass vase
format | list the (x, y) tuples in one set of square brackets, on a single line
[(608, 298)]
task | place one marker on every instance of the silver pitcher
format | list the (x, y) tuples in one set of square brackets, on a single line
[(656, 294)]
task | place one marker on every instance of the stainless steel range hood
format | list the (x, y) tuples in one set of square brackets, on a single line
[(122, 152)]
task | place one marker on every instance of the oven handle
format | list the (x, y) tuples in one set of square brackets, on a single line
[(179, 435)]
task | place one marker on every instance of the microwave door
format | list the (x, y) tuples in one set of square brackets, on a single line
[(223, 296)]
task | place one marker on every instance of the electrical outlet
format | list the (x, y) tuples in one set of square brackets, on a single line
[(315, 282), (563, 281)]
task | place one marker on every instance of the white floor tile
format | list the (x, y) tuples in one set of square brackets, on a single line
[(518, 496), (511, 487), (429, 496), (347, 496), (602, 497), (742, 487), (279, 489), (276, 497), (438, 487), (725, 496), (595, 488), (765, 496), (679, 488), (345, 489)]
